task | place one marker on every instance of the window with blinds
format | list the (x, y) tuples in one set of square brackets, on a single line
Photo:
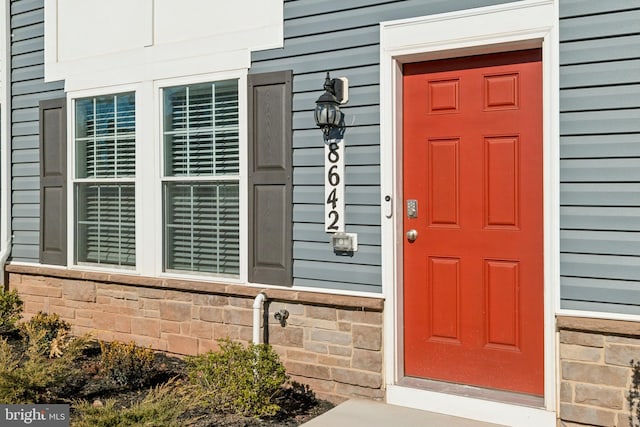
[(104, 184), (201, 178)]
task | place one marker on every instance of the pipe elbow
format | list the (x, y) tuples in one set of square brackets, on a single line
[(257, 305), (258, 300)]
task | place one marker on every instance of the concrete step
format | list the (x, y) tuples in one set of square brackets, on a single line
[(367, 413)]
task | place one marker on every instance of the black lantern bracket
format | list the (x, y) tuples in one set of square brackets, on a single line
[(341, 89)]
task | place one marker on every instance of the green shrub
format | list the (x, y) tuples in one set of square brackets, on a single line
[(238, 379), (162, 407), (10, 310), (56, 332), (127, 364), (31, 376)]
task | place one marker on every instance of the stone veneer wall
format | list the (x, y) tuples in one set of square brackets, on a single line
[(596, 373), (333, 343)]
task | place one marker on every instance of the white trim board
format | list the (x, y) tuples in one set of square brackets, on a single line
[(466, 407), (598, 315), (5, 132), (518, 25)]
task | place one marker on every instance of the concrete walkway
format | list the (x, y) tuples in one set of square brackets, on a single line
[(366, 413)]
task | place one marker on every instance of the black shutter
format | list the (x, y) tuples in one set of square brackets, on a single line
[(53, 182), (270, 187)]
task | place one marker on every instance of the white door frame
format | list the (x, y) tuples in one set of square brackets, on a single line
[(512, 26)]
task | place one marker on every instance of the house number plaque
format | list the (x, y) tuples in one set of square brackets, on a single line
[(334, 185)]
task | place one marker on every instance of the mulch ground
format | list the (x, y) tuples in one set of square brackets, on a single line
[(298, 403)]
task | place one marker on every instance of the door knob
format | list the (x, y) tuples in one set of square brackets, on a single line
[(412, 235)]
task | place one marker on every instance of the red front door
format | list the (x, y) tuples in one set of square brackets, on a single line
[(473, 276)]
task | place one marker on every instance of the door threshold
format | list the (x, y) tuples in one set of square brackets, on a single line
[(471, 403), (473, 392)]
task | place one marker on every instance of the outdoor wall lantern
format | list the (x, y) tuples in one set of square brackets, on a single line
[(327, 114)]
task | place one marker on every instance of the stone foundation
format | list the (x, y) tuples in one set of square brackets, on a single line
[(596, 373), (333, 343)]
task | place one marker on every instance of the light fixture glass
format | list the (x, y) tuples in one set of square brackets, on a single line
[(327, 112)]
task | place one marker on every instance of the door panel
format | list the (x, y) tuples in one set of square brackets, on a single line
[(473, 278)]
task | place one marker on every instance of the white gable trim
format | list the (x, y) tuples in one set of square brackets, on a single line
[(517, 25)]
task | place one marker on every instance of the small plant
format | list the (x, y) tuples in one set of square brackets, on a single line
[(634, 395), (238, 379), (56, 336), (31, 376), (162, 407), (127, 364), (10, 311)]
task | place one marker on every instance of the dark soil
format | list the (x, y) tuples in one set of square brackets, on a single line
[(297, 401)]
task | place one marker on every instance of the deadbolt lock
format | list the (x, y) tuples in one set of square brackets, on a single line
[(412, 208)]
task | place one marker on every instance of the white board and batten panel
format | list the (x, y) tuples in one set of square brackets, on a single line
[(154, 39)]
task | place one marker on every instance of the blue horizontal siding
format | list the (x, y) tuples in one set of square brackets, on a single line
[(599, 146), (342, 37), (599, 74), (619, 295), (600, 98), (600, 122), (26, 196), (22, 17), (354, 175), (317, 251), (600, 170), (587, 217), (354, 215), (361, 135), (24, 6), (600, 194), (600, 155), (600, 26), (358, 155), (598, 50), (365, 75), (338, 271), (599, 266), (331, 16), (580, 8), (356, 195), (571, 303), (330, 284), (358, 96), (27, 90), (310, 232), (601, 242), (25, 142)]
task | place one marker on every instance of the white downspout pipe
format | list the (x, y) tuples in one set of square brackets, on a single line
[(257, 305), (5, 140), (4, 255)]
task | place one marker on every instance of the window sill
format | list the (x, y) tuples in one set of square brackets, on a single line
[(208, 287)]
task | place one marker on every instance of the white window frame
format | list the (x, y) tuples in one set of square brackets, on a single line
[(148, 178), (159, 179), (72, 180), (510, 26), (241, 179)]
